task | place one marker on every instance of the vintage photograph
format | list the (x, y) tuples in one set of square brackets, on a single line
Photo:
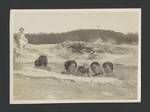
[(75, 55)]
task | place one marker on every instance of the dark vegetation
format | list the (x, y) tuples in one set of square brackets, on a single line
[(87, 35)]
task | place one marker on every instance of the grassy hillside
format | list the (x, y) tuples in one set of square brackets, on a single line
[(87, 35)]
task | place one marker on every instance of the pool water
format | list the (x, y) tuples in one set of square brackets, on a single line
[(26, 88)]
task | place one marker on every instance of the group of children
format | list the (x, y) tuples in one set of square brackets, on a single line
[(72, 68), (94, 70)]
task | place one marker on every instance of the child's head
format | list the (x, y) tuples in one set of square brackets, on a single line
[(108, 67), (85, 65), (70, 66), (82, 69), (96, 68), (37, 63), (42, 61)]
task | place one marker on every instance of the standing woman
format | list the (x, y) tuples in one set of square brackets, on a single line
[(21, 41)]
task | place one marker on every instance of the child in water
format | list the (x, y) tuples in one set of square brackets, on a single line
[(42, 63), (96, 69), (83, 71), (108, 69), (70, 67)]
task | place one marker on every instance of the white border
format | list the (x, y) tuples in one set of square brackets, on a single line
[(12, 101)]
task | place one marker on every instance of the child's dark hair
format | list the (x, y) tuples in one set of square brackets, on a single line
[(94, 63), (68, 63), (41, 61), (110, 64)]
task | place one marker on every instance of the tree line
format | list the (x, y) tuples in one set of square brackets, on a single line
[(87, 35)]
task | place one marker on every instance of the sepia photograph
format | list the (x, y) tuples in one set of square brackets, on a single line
[(75, 55)]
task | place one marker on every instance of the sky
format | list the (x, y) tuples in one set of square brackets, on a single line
[(57, 21)]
